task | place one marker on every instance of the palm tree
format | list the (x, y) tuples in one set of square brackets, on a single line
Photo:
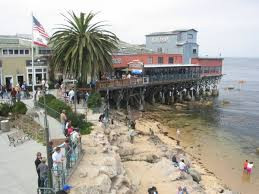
[(82, 49)]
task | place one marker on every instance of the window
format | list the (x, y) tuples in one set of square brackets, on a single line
[(160, 60), (190, 36), (26, 51), (150, 60), (38, 70), (194, 51), (5, 52), (159, 50), (170, 60), (16, 52), (44, 52), (10, 51), (21, 52)]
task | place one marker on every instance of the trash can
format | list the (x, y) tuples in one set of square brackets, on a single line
[(5, 125)]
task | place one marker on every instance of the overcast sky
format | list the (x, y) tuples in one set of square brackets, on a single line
[(230, 27)]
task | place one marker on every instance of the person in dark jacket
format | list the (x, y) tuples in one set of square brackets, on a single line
[(66, 189), (37, 162)]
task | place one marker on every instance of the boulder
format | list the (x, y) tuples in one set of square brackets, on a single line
[(102, 184), (195, 175)]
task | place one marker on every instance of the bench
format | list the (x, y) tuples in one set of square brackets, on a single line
[(16, 137)]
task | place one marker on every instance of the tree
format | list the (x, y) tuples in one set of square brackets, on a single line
[(82, 49)]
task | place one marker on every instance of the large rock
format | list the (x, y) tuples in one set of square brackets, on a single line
[(195, 175), (102, 185)]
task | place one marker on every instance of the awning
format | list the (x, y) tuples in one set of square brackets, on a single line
[(136, 71)]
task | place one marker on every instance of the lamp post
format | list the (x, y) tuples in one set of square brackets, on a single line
[(46, 127)]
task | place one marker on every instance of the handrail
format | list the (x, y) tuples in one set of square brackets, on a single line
[(103, 84)]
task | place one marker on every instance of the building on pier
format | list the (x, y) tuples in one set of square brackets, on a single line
[(183, 42)]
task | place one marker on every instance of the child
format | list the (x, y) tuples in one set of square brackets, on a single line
[(249, 167), (245, 165)]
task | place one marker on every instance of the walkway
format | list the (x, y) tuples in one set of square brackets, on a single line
[(18, 174)]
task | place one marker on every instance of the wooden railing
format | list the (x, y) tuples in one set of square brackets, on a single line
[(119, 83)]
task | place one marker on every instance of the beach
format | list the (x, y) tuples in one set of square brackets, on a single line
[(110, 159)]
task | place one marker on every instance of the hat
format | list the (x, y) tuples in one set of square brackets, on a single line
[(67, 187)]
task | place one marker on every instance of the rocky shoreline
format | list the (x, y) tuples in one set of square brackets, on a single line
[(112, 164)]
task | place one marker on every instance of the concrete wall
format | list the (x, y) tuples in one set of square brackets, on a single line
[(166, 42), (14, 66)]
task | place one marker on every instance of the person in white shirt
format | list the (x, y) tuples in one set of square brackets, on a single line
[(71, 95), (57, 158), (249, 167), (178, 134), (182, 165)]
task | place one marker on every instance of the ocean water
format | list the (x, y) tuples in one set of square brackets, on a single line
[(225, 135), (229, 133)]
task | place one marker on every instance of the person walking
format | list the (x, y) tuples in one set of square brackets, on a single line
[(63, 120), (43, 169), (71, 95), (13, 95), (37, 162)]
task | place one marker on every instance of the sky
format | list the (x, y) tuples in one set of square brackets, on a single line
[(229, 27)]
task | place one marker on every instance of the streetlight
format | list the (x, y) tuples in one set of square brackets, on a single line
[(46, 127)]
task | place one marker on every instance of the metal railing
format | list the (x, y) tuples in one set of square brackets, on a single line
[(153, 79), (61, 173)]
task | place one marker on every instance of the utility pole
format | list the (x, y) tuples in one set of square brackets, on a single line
[(50, 182)]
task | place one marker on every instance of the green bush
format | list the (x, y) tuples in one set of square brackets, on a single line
[(56, 106), (19, 108), (5, 109), (49, 98), (94, 100)]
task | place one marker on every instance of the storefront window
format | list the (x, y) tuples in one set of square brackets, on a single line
[(39, 73)]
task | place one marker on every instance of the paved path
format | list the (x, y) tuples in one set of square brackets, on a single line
[(18, 174)]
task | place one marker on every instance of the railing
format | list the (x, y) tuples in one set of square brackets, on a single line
[(62, 172), (154, 79)]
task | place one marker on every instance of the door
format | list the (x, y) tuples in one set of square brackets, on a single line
[(20, 80), (8, 82)]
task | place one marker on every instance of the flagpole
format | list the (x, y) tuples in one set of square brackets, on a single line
[(32, 61)]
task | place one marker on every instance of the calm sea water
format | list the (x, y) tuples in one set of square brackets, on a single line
[(231, 131)]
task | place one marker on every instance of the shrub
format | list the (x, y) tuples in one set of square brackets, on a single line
[(49, 98), (56, 106), (19, 108), (94, 100), (5, 109)]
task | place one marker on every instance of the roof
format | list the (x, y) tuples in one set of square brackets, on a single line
[(209, 58), (15, 40), (174, 32), (170, 65), (130, 49)]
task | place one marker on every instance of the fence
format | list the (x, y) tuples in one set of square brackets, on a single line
[(61, 173)]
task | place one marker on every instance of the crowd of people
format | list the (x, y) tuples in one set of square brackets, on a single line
[(14, 93), (60, 161)]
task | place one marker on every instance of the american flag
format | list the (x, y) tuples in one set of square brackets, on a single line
[(40, 36)]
